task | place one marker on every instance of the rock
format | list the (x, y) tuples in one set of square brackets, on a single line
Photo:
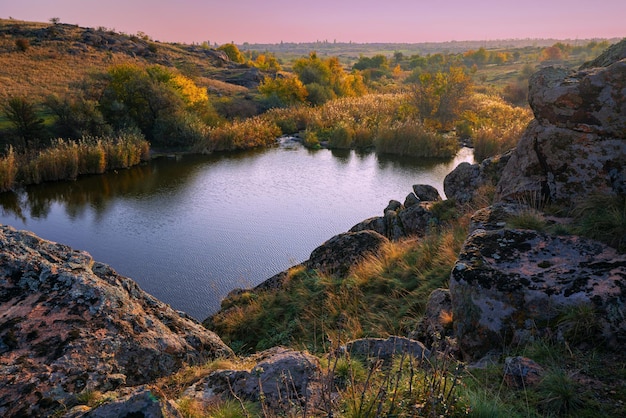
[(576, 146), (400, 221), (415, 220), (393, 206), (522, 372), (563, 166), (411, 200), (342, 251), (386, 349), (70, 324), (376, 223), (426, 192), (613, 53), (284, 377), (509, 285), (436, 324), (142, 402), (462, 183), (495, 216)]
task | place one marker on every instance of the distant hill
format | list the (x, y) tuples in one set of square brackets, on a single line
[(38, 59)]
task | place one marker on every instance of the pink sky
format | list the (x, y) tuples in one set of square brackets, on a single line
[(272, 21)]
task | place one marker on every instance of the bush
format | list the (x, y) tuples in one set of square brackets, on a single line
[(22, 44)]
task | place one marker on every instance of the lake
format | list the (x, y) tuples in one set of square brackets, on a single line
[(190, 229)]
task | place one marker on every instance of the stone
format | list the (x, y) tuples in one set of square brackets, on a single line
[(426, 192), (411, 200), (400, 221), (509, 286), (342, 251), (463, 183), (576, 146), (387, 349), (393, 206), (436, 324), (613, 53), (284, 377), (142, 402), (415, 220), (70, 324), (522, 372)]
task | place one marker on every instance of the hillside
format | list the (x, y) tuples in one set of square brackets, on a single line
[(39, 59)]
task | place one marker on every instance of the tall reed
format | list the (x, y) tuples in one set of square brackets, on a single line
[(66, 160), (8, 171)]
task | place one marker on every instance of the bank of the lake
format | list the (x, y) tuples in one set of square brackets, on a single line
[(190, 229)]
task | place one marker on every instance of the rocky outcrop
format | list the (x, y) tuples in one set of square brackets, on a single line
[(463, 183), (509, 285), (342, 251), (280, 379), (387, 349), (436, 324), (413, 218), (141, 402), (69, 324), (426, 192), (576, 145)]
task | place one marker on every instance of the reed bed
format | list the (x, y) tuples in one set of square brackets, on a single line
[(66, 160)]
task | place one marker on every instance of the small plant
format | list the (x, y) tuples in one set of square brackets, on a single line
[(602, 217), (22, 44), (579, 323), (90, 398), (560, 394)]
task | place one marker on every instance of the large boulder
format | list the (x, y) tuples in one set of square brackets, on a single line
[(510, 285), (577, 143), (463, 183), (281, 379), (387, 349), (69, 324), (400, 221), (342, 251)]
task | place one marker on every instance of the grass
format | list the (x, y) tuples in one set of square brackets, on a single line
[(494, 125), (381, 296), (66, 160), (602, 217)]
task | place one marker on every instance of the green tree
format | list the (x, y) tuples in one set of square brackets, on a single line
[(232, 52), (152, 98), (439, 97), (283, 91), (28, 126)]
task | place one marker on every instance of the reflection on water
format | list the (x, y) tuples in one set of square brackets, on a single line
[(191, 229)]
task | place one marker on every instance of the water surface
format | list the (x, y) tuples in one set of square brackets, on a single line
[(191, 229)]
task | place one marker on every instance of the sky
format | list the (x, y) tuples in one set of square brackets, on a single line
[(365, 21)]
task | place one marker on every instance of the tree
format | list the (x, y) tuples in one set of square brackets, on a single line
[(232, 52), (152, 98), (283, 91), (28, 126), (55, 20), (439, 97)]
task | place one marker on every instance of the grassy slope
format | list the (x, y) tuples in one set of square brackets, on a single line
[(59, 57)]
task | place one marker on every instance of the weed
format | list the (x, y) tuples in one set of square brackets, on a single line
[(602, 217), (560, 394)]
